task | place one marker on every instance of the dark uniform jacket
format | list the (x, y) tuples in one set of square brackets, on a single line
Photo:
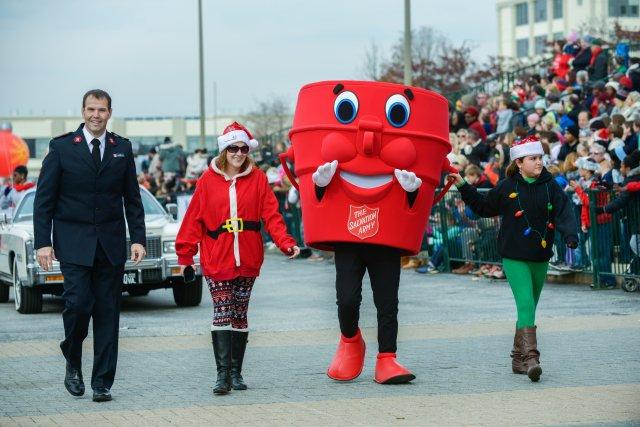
[(85, 204)]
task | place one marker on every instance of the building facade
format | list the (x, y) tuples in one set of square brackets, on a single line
[(525, 26)]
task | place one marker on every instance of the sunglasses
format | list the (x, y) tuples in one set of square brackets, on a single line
[(244, 149)]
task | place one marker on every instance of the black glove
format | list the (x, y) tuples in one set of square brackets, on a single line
[(599, 210), (7, 191), (189, 274), (572, 243)]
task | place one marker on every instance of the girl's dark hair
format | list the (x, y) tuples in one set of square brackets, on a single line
[(512, 169)]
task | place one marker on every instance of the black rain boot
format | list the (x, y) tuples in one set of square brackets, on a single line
[(238, 346), (222, 352)]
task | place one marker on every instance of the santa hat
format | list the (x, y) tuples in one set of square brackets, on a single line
[(235, 132), (529, 146), (626, 82), (602, 135)]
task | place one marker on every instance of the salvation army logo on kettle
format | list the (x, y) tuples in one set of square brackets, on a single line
[(363, 221)]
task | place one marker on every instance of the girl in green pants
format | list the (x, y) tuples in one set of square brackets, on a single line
[(532, 206)]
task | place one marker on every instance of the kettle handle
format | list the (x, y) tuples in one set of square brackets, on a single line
[(283, 160), (446, 168)]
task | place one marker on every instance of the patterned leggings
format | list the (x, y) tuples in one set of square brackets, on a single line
[(230, 302)]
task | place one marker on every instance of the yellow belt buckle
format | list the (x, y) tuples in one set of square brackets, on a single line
[(233, 225)]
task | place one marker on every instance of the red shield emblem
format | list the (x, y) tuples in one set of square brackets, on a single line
[(363, 221)]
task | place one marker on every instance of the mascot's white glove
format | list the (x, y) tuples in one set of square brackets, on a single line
[(408, 180), (322, 176)]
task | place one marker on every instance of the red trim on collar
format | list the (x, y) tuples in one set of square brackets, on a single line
[(77, 139), (25, 186), (112, 141)]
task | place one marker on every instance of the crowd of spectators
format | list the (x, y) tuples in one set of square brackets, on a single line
[(585, 108)]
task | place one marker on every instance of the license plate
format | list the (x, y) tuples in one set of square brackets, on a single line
[(130, 278)]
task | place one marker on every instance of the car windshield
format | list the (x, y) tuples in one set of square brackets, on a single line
[(24, 212)]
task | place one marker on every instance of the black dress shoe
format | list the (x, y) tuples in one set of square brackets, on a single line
[(101, 395), (73, 381)]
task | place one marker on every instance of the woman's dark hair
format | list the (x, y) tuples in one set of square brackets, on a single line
[(632, 161), (221, 161)]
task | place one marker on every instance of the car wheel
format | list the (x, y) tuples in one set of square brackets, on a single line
[(188, 294), (630, 285), (4, 292), (28, 299), (138, 292)]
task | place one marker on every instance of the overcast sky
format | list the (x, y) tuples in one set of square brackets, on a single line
[(144, 52)]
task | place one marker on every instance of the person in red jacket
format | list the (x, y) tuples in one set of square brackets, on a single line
[(590, 180), (223, 221), (471, 117)]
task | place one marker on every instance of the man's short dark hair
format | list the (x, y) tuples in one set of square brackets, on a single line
[(22, 170), (99, 94)]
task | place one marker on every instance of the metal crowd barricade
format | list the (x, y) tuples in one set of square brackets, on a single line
[(465, 237), (610, 240)]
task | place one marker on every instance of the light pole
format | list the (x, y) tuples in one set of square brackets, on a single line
[(407, 43), (215, 109), (202, 116)]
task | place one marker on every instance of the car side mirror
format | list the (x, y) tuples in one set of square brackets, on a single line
[(172, 208)]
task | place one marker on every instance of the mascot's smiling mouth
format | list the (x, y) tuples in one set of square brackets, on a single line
[(366, 181)]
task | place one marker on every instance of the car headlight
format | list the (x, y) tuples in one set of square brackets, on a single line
[(31, 254), (169, 246)]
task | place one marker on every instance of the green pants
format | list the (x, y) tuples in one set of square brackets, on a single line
[(526, 279)]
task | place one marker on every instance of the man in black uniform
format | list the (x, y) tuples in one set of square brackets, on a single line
[(85, 179)]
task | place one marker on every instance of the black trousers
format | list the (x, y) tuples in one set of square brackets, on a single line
[(96, 292), (383, 265)]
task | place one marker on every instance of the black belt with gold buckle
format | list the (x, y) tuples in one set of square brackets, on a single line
[(235, 225)]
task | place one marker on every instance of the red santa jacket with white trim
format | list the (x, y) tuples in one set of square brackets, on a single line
[(218, 198)]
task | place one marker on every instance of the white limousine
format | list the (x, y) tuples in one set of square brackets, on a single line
[(160, 269)]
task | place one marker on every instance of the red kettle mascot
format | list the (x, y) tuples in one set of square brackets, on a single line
[(368, 156)]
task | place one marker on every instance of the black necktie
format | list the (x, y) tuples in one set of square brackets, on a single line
[(95, 152)]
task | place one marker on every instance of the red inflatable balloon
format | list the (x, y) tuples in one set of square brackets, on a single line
[(372, 129), (13, 152)]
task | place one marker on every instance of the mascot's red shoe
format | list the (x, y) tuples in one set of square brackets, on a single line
[(389, 371), (348, 361)]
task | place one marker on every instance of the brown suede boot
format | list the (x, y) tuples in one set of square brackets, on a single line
[(464, 269), (531, 353), (517, 359)]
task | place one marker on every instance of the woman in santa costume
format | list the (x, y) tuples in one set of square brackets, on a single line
[(223, 220), (532, 206)]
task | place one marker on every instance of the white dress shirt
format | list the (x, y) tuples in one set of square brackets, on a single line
[(89, 138)]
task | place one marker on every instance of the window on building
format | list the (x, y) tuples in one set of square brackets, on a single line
[(579, 2), (193, 142), (624, 8), (557, 9), (540, 42), (558, 36), (41, 148), (522, 14), (540, 10), (522, 48)]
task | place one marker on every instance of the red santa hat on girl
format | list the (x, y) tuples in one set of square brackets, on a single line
[(235, 132), (529, 146)]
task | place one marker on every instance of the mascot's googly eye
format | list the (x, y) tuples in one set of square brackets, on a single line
[(345, 107), (397, 110)]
